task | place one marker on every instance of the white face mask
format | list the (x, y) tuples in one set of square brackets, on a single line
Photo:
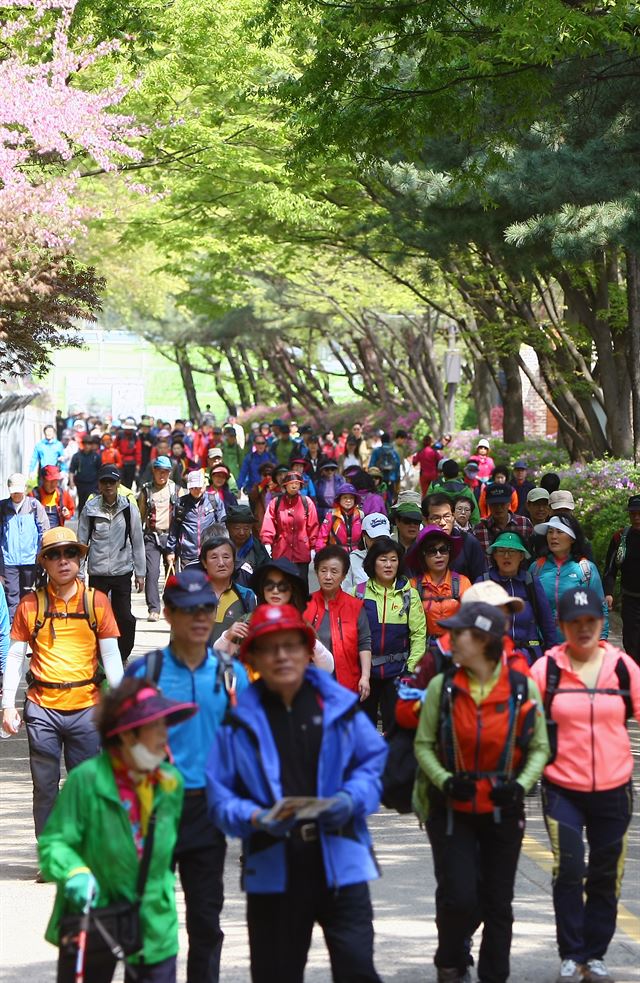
[(144, 759)]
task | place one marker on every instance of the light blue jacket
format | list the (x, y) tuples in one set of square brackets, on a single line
[(46, 452), (190, 742), (21, 530), (557, 578), (243, 775)]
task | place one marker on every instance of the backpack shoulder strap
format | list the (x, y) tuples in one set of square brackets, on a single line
[(455, 585), (127, 525), (42, 611), (552, 682), (530, 588), (89, 604), (624, 682), (540, 562), (153, 665)]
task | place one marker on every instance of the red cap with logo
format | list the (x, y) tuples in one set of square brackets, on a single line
[(269, 618)]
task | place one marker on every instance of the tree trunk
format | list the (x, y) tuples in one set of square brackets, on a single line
[(189, 386), (482, 392), (238, 377), (633, 297), (513, 417)]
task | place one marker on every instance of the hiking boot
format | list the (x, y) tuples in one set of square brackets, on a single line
[(596, 971), (39, 878), (570, 972), (154, 616), (452, 975)]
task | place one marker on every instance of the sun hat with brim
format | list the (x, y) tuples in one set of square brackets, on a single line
[(483, 617), (60, 536), (483, 442), (579, 602), (489, 592), (509, 541), (345, 489), (189, 589), (538, 495), (284, 566), (270, 618), (162, 463), (220, 469), (414, 558), (51, 472), (554, 523), (148, 705), (375, 472), (129, 424)]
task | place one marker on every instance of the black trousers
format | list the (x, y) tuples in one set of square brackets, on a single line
[(199, 856), (100, 969), (630, 611), (128, 473), (119, 591), (84, 490), (475, 868), (280, 925), (154, 547), (383, 695)]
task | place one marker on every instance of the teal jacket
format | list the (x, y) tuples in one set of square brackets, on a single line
[(90, 828), (556, 578)]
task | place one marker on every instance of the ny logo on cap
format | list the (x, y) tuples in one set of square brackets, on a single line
[(194, 587), (378, 522), (580, 598)]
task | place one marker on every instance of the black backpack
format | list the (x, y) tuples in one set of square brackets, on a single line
[(400, 770), (386, 460)]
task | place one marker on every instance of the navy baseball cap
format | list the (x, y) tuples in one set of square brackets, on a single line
[(633, 505), (189, 589), (109, 472), (520, 464), (578, 602), (498, 493)]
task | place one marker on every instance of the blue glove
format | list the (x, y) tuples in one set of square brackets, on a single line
[(79, 887), (274, 827), (338, 814)]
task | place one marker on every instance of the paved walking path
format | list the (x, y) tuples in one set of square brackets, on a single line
[(403, 897)]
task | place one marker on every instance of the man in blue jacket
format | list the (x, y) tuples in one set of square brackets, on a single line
[(49, 450), (188, 665), (23, 522), (250, 475), (296, 732)]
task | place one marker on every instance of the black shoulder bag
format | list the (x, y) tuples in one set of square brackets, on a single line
[(115, 928)]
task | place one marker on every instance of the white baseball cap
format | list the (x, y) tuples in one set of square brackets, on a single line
[(489, 592), (17, 482), (375, 525), (195, 479), (561, 499)]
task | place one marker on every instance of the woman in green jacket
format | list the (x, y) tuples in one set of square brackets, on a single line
[(94, 839)]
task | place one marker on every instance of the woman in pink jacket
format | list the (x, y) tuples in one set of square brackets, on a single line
[(342, 526), (589, 689), (290, 525)]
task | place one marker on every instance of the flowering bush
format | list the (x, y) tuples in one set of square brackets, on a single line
[(601, 490)]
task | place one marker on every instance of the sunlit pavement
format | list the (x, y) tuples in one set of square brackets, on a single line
[(403, 897)]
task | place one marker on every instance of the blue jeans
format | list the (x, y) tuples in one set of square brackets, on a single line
[(586, 900)]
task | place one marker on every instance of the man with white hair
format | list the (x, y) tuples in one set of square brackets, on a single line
[(23, 521)]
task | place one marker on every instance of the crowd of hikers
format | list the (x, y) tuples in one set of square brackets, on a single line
[(451, 659)]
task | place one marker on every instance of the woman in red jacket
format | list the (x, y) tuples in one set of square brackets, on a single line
[(588, 687), (340, 621), (427, 458)]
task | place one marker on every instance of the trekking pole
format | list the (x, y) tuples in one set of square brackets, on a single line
[(83, 932)]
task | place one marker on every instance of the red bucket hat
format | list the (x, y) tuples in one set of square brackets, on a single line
[(268, 618), (148, 705)]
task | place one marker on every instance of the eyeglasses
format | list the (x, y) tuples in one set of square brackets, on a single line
[(434, 550), (505, 551), (281, 586), (441, 520), (260, 443), (69, 553), (289, 648)]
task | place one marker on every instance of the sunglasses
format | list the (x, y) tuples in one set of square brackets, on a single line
[(260, 443), (69, 553), (278, 585), (434, 550), (197, 609)]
